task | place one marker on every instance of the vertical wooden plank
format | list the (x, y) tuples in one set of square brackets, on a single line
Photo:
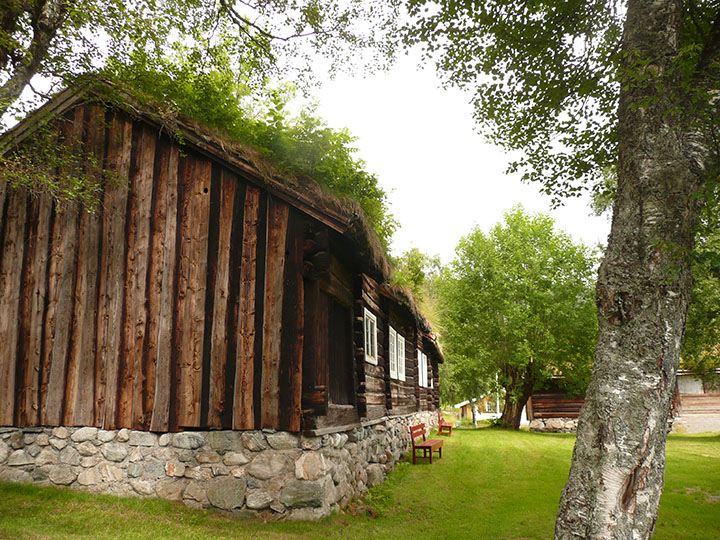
[(60, 308), (132, 375), (13, 244), (80, 392), (272, 324), (323, 353), (112, 264), (236, 241), (34, 291), (219, 334), (309, 369), (194, 223), (243, 408), (293, 326), (162, 280), (210, 280)]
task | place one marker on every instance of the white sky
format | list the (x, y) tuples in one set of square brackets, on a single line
[(442, 178)]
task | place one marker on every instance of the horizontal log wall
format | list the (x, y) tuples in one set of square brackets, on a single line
[(554, 406), (177, 304), (403, 399)]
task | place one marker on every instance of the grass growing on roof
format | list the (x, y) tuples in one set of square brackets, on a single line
[(490, 484)]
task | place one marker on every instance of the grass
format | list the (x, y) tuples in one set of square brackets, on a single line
[(490, 484)]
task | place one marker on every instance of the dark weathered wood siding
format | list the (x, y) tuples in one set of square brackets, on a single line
[(192, 297), (152, 312)]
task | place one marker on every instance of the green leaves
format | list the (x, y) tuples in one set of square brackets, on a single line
[(519, 301), (541, 75), (203, 85)]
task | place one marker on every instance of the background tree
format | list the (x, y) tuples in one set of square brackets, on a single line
[(466, 379), (518, 301), (418, 273), (581, 86)]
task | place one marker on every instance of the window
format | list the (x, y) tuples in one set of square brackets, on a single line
[(393, 354), (397, 355), (370, 338), (422, 369)]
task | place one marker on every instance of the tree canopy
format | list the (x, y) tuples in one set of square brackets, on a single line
[(519, 301), (60, 39), (542, 78)]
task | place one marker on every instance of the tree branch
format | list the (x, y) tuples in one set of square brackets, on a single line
[(47, 19), (241, 20)]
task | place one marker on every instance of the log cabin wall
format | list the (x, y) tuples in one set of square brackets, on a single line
[(402, 393), (373, 386), (178, 304)]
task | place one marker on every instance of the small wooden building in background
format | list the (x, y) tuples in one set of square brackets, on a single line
[(206, 291)]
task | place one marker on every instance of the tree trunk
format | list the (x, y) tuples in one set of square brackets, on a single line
[(512, 413), (614, 487), (519, 388)]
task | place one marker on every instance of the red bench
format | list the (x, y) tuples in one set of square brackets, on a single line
[(443, 425), (428, 446)]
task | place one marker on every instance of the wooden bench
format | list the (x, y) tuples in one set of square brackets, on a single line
[(443, 425), (428, 446)]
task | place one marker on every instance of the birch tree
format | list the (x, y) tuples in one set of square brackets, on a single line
[(580, 86)]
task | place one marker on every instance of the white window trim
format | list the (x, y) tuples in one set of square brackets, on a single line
[(371, 351), (393, 353), (401, 357), (422, 369), (425, 370)]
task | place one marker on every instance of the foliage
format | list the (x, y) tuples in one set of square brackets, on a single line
[(701, 343), (465, 378), (59, 40), (64, 175), (542, 76), (203, 86), (519, 301), (416, 271), (512, 479)]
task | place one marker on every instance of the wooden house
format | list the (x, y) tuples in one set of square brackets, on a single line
[(696, 405), (205, 291)]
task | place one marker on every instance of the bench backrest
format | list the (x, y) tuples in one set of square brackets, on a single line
[(417, 431)]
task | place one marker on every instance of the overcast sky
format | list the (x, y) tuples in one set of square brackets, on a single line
[(442, 178)]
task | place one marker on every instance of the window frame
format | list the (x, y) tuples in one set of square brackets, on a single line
[(422, 369), (393, 353), (401, 357), (371, 356)]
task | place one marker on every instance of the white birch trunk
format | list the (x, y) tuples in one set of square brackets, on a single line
[(643, 290)]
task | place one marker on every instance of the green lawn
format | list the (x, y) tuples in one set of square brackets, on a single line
[(490, 484)]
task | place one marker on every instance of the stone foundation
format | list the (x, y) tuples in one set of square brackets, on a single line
[(244, 472), (554, 425)]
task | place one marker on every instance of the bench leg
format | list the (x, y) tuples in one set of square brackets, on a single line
[(430, 456), (440, 452)]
